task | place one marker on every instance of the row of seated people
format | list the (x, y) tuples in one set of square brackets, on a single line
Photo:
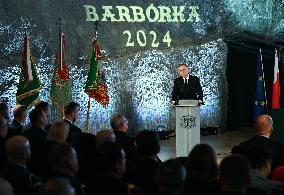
[(110, 162)]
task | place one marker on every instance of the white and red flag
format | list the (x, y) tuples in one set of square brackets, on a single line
[(276, 85)]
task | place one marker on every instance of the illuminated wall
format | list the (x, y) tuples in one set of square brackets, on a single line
[(139, 69)]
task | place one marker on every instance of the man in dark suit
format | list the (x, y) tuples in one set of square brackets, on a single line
[(16, 126), (18, 155), (71, 111), (186, 86), (263, 127), (119, 124), (36, 136)]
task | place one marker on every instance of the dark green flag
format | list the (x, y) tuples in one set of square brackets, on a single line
[(29, 85)]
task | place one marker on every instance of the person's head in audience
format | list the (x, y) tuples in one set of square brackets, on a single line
[(4, 110), (170, 177), (234, 173), (104, 136), (3, 127), (18, 150), (71, 111), (58, 132), (119, 122), (260, 159), (263, 125), (112, 159), (42, 105), (148, 144), (38, 118), (85, 146), (62, 158), (5, 187), (20, 113), (202, 163), (58, 186)]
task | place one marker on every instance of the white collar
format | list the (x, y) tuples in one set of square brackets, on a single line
[(186, 77)]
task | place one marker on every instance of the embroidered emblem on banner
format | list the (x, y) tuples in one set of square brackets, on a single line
[(188, 121)]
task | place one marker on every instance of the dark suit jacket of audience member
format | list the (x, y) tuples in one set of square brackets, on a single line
[(127, 143), (44, 171), (21, 180), (2, 153), (107, 184), (36, 137), (198, 186), (15, 128), (276, 149), (73, 130), (142, 174)]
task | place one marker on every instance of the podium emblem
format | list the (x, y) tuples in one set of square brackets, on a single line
[(188, 121)]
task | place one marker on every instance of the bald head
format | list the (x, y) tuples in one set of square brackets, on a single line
[(58, 186), (18, 149), (118, 122), (5, 187), (263, 125), (104, 136)]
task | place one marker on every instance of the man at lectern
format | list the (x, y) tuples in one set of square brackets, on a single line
[(186, 86)]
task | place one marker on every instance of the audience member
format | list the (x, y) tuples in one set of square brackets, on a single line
[(112, 167), (45, 108), (36, 136), (263, 127), (142, 173), (104, 136), (4, 111), (58, 186), (85, 147), (57, 134), (234, 174), (63, 162), (3, 134), (202, 170), (71, 111), (17, 124), (119, 125), (18, 155), (5, 188), (170, 177), (259, 159)]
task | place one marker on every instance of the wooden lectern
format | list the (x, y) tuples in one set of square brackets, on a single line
[(187, 126)]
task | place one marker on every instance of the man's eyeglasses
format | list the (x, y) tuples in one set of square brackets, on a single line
[(125, 121)]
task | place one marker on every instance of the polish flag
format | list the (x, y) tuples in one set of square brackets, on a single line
[(27, 59), (276, 84)]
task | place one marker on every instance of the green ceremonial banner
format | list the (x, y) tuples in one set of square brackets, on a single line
[(61, 87), (95, 85), (92, 80), (29, 85)]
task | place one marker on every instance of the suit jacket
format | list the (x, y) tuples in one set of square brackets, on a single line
[(127, 143), (73, 130), (276, 149), (36, 137), (15, 128), (190, 90), (21, 180)]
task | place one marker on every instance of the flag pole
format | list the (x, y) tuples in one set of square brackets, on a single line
[(59, 23), (263, 81), (88, 114)]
